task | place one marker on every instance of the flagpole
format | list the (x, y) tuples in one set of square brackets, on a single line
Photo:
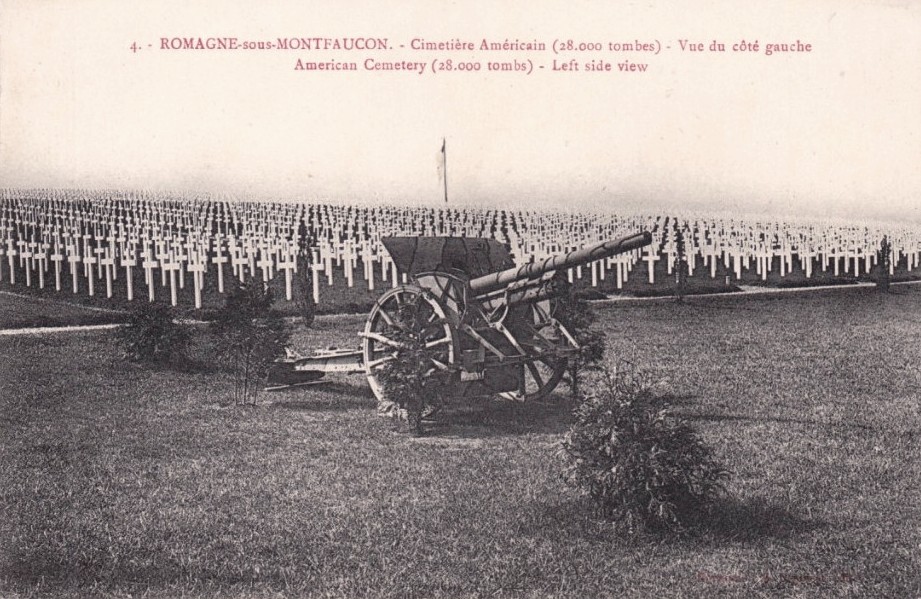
[(444, 158)]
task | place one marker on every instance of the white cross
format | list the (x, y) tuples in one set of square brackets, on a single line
[(198, 269), (238, 261), (149, 264), (289, 265), (219, 259), (73, 257), (349, 264), (11, 254), (108, 263), (25, 259), (33, 254), (651, 258), (171, 266), (129, 262), (88, 262), (181, 258), (765, 256), (315, 276), (22, 248), (162, 256), (834, 254), (266, 263), (99, 251), (42, 259), (57, 257)]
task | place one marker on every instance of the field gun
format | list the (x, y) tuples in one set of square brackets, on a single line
[(489, 324)]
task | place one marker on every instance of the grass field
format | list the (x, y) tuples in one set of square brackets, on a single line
[(18, 311), (121, 480)]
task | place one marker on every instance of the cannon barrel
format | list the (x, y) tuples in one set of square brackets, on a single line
[(498, 280)]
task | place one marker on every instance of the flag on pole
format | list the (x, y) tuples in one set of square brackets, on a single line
[(443, 167)]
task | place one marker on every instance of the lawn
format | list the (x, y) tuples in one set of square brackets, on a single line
[(122, 480), (18, 311)]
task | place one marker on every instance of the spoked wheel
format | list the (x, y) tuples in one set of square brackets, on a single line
[(537, 379), (399, 311), (540, 375)]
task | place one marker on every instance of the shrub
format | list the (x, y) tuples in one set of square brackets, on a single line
[(681, 265), (578, 316), (411, 380), (303, 283), (639, 463), (250, 336), (883, 264), (153, 335)]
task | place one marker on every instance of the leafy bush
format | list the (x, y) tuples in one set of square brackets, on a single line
[(578, 316), (681, 265), (153, 335), (303, 282), (638, 462), (411, 380), (883, 263), (250, 336)]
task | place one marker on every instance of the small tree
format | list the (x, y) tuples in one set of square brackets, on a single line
[(576, 314), (883, 264), (153, 334), (250, 336), (681, 265), (412, 379), (303, 287), (640, 463)]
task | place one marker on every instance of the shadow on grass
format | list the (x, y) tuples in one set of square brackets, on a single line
[(731, 520), (330, 396), (753, 519), (498, 418)]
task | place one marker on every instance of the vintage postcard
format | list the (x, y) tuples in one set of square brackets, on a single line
[(460, 298)]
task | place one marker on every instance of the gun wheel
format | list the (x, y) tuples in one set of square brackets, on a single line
[(401, 308), (537, 379)]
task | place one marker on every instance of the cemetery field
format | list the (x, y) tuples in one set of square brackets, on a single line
[(122, 480), (115, 249)]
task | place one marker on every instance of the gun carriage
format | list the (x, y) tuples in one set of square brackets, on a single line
[(488, 326)]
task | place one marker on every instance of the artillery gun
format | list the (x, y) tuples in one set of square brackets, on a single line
[(488, 326)]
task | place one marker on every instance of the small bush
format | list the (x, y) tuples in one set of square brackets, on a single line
[(411, 380), (681, 265), (883, 264), (153, 335), (303, 282), (640, 464), (250, 336)]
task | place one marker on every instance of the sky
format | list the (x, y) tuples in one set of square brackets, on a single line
[(835, 131)]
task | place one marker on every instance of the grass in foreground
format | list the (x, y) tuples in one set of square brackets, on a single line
[(121, 480)]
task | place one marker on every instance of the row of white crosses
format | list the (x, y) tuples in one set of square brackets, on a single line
[(834, 248), (178, 237), (116, 245)]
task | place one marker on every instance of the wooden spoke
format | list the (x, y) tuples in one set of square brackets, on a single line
[(375, 363), (385, 316), (382, 339), (437, 342), (536, 374)]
